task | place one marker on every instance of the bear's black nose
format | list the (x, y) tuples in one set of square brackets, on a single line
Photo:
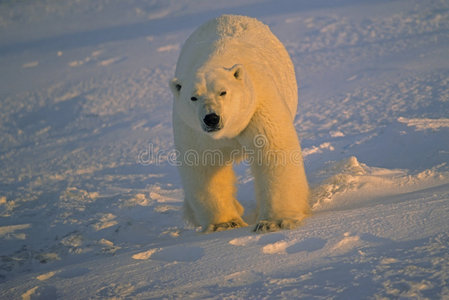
[(211, 120)]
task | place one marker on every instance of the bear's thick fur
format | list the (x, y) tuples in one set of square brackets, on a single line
[(235, 97)]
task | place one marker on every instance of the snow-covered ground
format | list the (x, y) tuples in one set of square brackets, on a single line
[(90, 202)]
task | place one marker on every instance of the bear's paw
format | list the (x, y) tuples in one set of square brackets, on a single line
[(225, 226), (275, 225)]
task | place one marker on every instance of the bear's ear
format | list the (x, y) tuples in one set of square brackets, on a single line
[(237, 71), (175, 86)]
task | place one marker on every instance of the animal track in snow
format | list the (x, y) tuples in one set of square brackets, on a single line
[(270, 242), (308, 245), (277, 243), (45, 276), (115, 291), (40, 292), (172, 254), (167, 48), (243, 241), (277, 247), (347, 243), (241, 278), (146, 254), (96, 57), (179, 254), (31, 64), (105, 221), (110, 61), (73, 273), (424, 124)]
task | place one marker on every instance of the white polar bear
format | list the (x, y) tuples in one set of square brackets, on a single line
[(235, 97)]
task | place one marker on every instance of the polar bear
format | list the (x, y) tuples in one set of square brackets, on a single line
[(235, 97)]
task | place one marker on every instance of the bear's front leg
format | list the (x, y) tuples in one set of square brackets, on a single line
[(210, 197), (281, 192), (280, 181)]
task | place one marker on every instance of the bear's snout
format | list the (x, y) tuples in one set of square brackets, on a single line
[(211, 121)]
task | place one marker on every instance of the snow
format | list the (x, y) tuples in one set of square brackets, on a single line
[(423, 124), (90, 198)]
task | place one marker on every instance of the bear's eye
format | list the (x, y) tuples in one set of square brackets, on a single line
[(223, 93), (193, 98)]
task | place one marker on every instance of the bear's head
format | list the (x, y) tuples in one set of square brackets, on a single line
[(217, 101)]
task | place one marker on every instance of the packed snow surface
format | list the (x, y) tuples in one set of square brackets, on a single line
[(90, 200)]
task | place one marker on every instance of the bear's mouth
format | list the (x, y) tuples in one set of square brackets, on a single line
[(211, 129)]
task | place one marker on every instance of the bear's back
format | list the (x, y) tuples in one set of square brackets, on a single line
[(230, 39), (242, 28), (214, 36)]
